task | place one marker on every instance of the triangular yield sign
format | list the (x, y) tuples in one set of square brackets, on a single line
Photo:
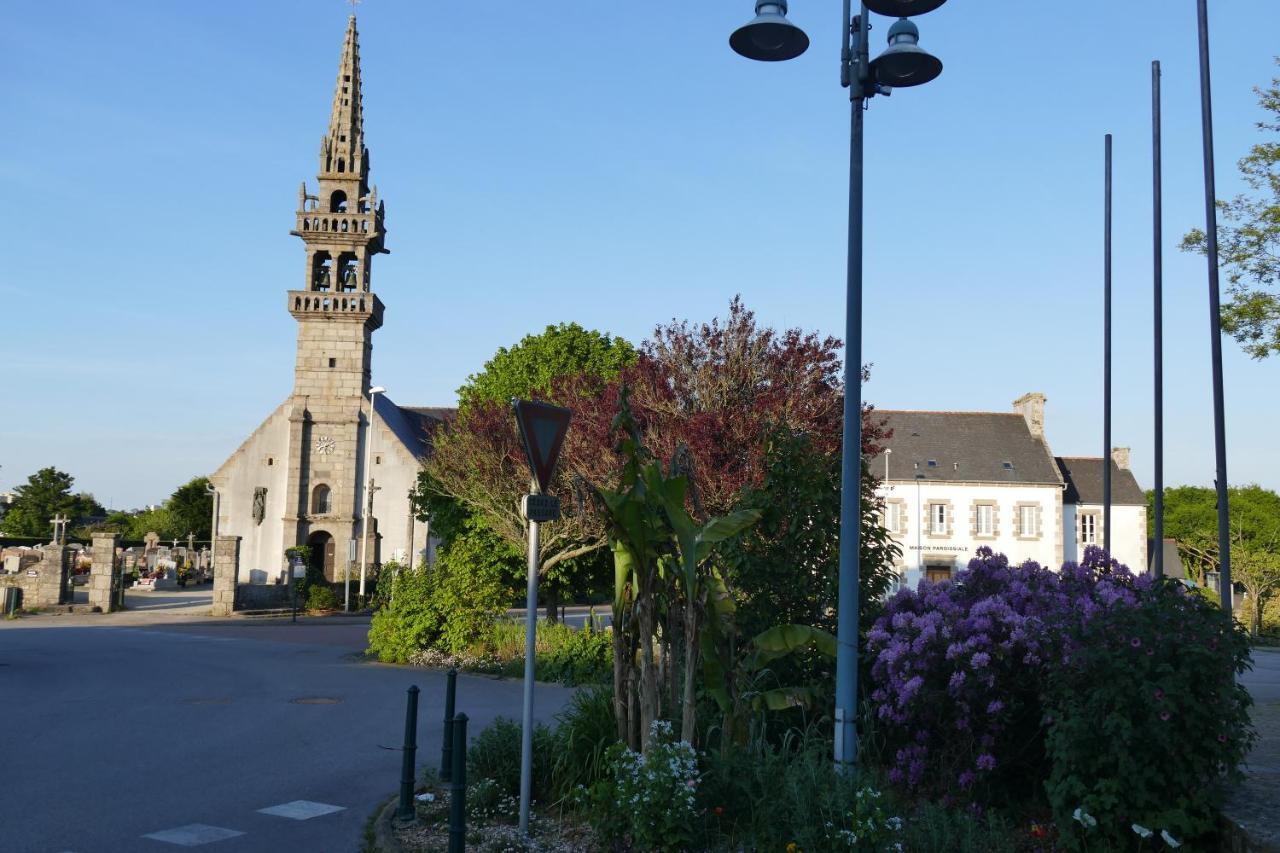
[(542, 428)]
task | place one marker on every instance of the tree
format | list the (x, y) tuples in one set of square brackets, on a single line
[(46, 494), (191, 509), (1249, 242), (477, 469), (1191, 518), (710, 394), (533, 366)]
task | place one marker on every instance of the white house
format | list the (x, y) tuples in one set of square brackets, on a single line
[(955, 481)]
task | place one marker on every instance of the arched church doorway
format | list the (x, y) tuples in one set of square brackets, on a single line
[(322, 549)]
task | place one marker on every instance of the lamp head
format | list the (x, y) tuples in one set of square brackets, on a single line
[(902, 8), (904, 62), (377, 389), (769, 37)]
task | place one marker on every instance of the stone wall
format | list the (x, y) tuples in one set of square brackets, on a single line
[(46, 583), (226, 563), (258, 596)]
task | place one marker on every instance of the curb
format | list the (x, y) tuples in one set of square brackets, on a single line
[(384, 840)]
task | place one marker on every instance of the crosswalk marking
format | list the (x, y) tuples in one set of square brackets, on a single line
[(193, 835), (301, 810)]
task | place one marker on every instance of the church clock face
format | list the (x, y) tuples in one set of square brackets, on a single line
[(325, 445)]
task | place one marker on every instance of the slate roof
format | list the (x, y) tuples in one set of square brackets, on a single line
[(995, 447), (413, 425), (1083, 476)]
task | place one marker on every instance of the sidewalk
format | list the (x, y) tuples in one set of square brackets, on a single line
[(1254, 806)]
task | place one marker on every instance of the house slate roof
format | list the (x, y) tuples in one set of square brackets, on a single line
[(414, 426), (989, 447), (1083, 476)]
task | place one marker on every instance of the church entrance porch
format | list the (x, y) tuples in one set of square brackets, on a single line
[(323, 554)]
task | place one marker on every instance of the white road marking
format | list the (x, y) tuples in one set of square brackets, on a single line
[(301, 810), (194, 834)]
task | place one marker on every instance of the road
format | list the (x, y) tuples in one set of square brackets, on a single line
[(136, 732)]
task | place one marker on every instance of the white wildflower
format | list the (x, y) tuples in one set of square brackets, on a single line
[(1169, 839), (1141, 831)]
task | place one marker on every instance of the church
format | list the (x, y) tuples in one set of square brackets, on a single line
[(337, 460)]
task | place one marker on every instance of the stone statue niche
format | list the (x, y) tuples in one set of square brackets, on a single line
[(259, 504)]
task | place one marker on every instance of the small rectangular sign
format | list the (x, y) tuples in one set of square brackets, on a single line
[(540, 508), (299, 570)]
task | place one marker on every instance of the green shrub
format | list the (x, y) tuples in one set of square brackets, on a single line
[(765, 796), (565, 654), (495, 755), (448, 606), (411, 624), (650, 799), (1145, 719), (584, 732), (322, 597), (929, 827)]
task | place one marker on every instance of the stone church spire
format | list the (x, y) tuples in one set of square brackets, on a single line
[(342, 227), (342, 150)]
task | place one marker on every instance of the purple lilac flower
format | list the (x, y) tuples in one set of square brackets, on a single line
[(967, 778), (980, 659), (995, 707), (986, 761)]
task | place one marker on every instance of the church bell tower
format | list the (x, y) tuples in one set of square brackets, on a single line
[(342, 228)]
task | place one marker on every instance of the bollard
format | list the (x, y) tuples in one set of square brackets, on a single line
[(446, 750), (458, 787), (406, 811)]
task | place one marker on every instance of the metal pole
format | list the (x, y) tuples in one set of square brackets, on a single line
[(368, 501), (458, 787), (1106, 357), (446, 749), (1157, 267), (346, 580), (406, 812), (530, 648), (846, 730), (1215, 311), (213, 529)]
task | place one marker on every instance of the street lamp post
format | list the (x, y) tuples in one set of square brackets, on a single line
[(770, 37), (369, 487)]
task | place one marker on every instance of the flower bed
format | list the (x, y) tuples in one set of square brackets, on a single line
[(1111, 694)]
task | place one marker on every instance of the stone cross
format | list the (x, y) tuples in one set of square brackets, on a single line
[(59, 523)]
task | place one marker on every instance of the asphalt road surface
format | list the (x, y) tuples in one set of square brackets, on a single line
[(128, 735)]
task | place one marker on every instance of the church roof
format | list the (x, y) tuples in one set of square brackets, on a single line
[(414, 426), (988, 447), (1083, 475)]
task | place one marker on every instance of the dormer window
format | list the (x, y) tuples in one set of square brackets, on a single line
[(933, 463)]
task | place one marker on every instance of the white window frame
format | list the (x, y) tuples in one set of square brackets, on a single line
[(1088, 528), (1027, 526), (893, 516), (938, 519), (990, 528)]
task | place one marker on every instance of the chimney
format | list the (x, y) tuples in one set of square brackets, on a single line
[(1031, 407), (1120, 456)]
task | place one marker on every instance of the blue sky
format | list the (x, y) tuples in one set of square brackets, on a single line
[(613, 164)]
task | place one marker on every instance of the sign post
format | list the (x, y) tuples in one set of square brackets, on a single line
[(298, 570), (542, 430)]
